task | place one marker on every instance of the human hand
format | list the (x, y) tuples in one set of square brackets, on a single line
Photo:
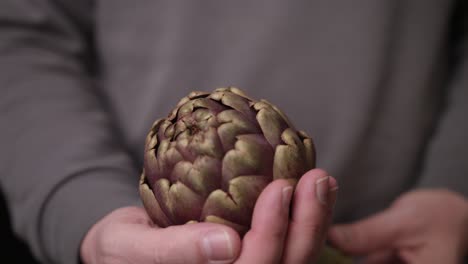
[(277, 235), (426, 226)]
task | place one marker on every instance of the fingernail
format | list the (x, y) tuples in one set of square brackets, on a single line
[(217, 246), (286, 196), (321, 189)]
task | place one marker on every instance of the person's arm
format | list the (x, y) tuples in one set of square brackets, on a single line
[(62, 166), (446, 162), (68, 180), (428, 224)]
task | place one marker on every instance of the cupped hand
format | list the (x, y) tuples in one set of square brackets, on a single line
[(425, 226), (287, 227)]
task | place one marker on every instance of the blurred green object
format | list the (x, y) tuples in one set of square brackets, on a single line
[(330, 255)]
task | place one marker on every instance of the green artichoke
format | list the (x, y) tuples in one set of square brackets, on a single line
[(215, 152)]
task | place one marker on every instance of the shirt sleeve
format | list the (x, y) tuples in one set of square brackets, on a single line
[(446, 162), (62, 164)]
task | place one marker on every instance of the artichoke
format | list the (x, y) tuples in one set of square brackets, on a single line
[(210, 158)]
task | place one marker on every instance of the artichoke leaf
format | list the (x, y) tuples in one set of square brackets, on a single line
[(271, 123), (177, 201), (252, 155), (234, 101), (290, 159), (202, 176), (232, 124), (221, 204), (151, 205)]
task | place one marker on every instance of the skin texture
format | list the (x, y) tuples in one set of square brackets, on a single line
[(301, 219), (424, 226)]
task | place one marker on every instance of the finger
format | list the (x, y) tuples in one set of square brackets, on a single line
[(376, 232), (263, 243), (312, 210), (434, 250), (139, 242), (196, 243)]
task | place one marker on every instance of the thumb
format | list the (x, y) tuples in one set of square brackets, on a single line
[(376, 232), (191, 243), (127, 235)]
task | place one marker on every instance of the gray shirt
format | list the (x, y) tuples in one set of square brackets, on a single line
[(381, 86)]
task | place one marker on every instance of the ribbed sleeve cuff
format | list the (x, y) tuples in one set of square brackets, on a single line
[(455, 183), (79, 203)]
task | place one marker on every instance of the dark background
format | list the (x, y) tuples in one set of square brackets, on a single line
[(12, 248)]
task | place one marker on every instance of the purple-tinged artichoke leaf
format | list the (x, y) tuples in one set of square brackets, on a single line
[(173, 114), (207, 103), (271, 123), (155, 126), (281, 113), (221, 204), (185, 109), (179, 202), (201, 115), (151, 166), (207, 121), (309, 150), (207, 143), (180, 172), (235, 102), (245, 190), (170, 131), (252, 155), (179, 128), (163, 147), (233, 124), (290, 160), (162, 130), (239, 92), (167, 160), (181, 102), (197, 94), (210, 159), (202, 176), (151, 205)]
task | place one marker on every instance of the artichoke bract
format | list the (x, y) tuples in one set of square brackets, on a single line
[(209, 160)]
